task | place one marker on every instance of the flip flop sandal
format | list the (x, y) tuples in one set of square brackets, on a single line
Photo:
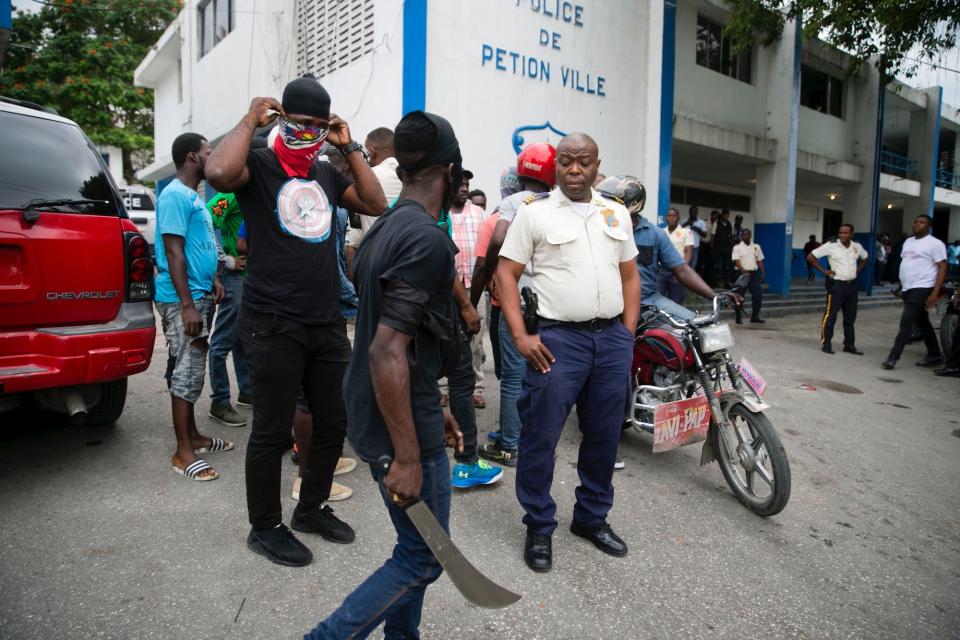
[(215, 446), (194, 470)]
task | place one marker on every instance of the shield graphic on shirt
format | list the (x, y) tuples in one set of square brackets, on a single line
[(304, 210)]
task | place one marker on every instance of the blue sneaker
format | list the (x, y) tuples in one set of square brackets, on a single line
[(493, 436), (466, 476)]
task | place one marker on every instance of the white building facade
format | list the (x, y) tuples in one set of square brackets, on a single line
[(779, 135)]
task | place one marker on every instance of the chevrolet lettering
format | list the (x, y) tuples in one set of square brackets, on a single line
[(63, 296)]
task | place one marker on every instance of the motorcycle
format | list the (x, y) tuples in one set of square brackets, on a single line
[(687, 389)]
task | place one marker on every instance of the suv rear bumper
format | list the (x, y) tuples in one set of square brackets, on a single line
[(84, 354)]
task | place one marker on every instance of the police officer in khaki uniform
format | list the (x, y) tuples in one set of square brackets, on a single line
[(847, 259), (585, 275)]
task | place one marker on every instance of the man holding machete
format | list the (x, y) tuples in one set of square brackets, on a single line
[(404, 273)]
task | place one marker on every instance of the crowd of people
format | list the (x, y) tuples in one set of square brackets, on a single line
[(310, 229)]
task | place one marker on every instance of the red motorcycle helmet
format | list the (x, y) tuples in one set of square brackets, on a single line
[(539, 162)]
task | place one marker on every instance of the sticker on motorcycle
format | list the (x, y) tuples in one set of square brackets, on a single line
[(752, 377), (676, 424)]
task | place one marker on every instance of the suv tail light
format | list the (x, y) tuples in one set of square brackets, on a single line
[(139, 267)]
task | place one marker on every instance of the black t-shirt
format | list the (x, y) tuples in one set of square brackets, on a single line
[(404, 247), (292, 267)]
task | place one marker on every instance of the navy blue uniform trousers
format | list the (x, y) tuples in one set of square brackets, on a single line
[(592, 369)]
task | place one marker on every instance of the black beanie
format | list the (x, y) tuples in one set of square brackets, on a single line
[(306, 97)]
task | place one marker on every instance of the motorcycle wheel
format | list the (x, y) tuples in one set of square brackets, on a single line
[(948, 329), (766, 489)]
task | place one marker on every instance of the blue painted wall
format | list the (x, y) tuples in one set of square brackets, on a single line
[(414, 55), (772, 238)]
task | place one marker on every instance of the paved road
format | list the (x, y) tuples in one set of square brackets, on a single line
[(102, 540)]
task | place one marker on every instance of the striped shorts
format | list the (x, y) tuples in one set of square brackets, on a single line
[(188, 354)]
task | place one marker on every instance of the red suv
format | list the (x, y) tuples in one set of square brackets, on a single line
[(76, 279)]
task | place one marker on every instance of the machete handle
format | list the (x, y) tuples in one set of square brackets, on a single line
[(384, 462)]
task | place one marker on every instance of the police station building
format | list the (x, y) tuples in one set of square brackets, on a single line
[(779, 134)]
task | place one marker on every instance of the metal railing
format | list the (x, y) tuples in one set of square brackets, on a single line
[(948, 179), (897, 164)]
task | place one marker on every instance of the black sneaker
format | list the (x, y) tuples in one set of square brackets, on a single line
[(619, 464), (245, 400), (494, 453), (322, 521), (280, 546), (930, 361)]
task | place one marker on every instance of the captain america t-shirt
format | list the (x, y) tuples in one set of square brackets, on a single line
[(292, 267)]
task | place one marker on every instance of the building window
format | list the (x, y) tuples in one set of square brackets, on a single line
[(332, 34), (714, 51), (708, 199), (216, 21), (820, 91)]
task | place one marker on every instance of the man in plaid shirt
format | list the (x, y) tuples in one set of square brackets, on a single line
[(466, 382)]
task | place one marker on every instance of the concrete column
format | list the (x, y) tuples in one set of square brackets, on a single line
[(860, 200), (776, 183), (930, 144)]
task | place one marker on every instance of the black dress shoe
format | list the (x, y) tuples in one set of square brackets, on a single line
[(602, 536), (827, 349), (953, 372), (538, 552), (889, 363), (930, 361), (853, 350)]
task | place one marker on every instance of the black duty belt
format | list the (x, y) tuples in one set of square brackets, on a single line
[(597, 324)]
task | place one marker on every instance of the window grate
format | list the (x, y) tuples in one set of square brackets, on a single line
[(332, 34)]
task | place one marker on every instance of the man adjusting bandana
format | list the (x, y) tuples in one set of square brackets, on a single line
[(290, 321)]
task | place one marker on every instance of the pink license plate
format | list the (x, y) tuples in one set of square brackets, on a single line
[(752, 377), (676, 424)]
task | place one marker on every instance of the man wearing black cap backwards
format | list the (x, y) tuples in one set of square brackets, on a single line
[(290, 316), (404, 273)]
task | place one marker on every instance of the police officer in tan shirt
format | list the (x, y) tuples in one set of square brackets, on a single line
[(585, 275)]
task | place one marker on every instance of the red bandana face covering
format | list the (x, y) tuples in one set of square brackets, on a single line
[(296, 162)]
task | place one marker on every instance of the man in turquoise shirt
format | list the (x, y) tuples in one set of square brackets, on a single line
[(187, 290)]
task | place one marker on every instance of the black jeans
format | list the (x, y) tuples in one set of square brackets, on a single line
[(915, 311), (461, 382), (282, 355), (494, 327), (723, 264), (756, 295), (840, 296)]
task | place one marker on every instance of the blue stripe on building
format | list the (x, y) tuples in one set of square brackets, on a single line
[(667, 73), (414, 55)]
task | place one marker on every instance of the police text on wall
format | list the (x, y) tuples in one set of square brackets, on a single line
[(537, 68)]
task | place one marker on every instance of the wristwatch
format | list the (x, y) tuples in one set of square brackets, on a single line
[(352, 146)]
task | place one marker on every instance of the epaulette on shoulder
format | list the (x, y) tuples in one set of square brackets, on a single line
[(534, 197)]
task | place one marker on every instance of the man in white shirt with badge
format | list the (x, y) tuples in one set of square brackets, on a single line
[(748, 259), (847, 258), (923, 267), (585, 274), (682, 240)]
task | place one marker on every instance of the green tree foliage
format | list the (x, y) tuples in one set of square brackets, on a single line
[(887, 30), (78, 56)]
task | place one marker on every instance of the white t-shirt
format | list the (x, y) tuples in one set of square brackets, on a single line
[(583, 209), (697, 224), (843, 260), (918, 266)]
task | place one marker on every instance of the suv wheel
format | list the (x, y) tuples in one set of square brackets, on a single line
[(113, 396)]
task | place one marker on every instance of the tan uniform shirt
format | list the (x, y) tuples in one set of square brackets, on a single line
[(843, 260), (386, 173), (576, 259), (748, 255), (680, 238)]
